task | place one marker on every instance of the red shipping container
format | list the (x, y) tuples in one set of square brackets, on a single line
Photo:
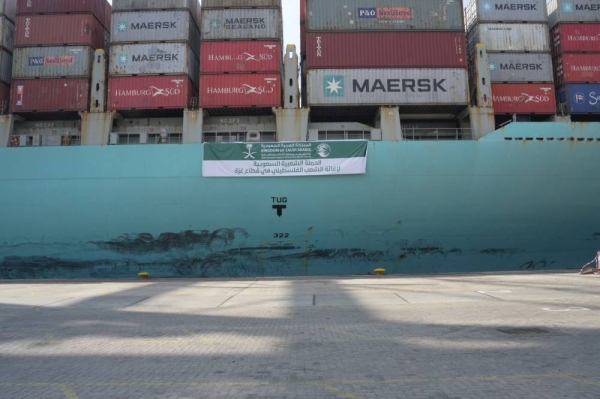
[(577, 68), (351, 50), (240, 56), (302, 11), (240, 91), (303, 37), (524, 99), (575, 38), (49, 95), (150, 92), (59, 30), (95, 7), (108, 17)]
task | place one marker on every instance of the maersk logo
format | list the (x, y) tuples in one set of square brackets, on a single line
[(516, 7), (568, 7), (123, 59), (122, 26), (216, 24), (493, 67), (334, 86), (487, 7)]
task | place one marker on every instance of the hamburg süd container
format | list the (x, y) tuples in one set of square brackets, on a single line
[(8, 9), (149, 92), (511, 37), (59, 30), (560, 11), (386, 50), (521, 67), (580, 98), (155, 26), (5, 66), (52, 62), (575, 38), (50, 95), (352, 15), (240, 91), (240, 57), (7, 34), (479, 11), (387, 86), (241, 24), (524, 99), (206, 4), (94, 7), (153, 59), (578, 68)]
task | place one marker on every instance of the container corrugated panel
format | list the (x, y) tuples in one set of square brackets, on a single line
[(302, 11), (580, 98), (521, 67), (155, 26), (150, 92), (241, 24), (240, 56), (52, 62), (511, 37), (50, 95), (578, 68), (240, 91), (240, 3), (8, 8), (506, 11), (153, 59), (5, 66), (573, 11), (108, 17), (7, 30), (387, 86), (575, 38), (524, 99), (350, 15), (386, 50), (95, 7), (157, 5), (4, 97), (58, 30)]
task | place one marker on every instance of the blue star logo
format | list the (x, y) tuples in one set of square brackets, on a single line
[(568, 7), (123, 59), (334, 86), (122, 26)]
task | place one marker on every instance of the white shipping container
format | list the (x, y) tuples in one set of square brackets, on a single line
[(387, 87), (521, 67), (241, 24), (506, 11), (573, 11), (510, 37), (157, 5), (153, 59)]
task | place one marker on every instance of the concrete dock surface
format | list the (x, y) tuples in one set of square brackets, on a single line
[(528, 335)]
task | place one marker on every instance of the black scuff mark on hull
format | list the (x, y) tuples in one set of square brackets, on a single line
[(500, 251)]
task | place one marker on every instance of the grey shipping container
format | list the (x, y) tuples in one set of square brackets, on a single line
[(157, 5), (573, 11), (5, 66), (155, 26), (7, 32), (153, 59), (241, 24), (521, 67), (241, 3), (387, 87), (53, 62), (8, 8), (506, 11), (353, 15), (510, 37)]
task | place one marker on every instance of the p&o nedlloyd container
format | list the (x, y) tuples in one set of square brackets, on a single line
[(358, 15), (52, 62), (153, 59), (387, 87), (573, 11), (241, 24)]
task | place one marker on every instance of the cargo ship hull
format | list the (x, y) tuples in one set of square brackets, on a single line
[(422, 207)]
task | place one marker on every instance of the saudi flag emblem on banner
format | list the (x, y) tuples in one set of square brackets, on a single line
[(285, 159)]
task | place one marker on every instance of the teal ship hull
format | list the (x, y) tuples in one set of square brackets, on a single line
[(525, 197)]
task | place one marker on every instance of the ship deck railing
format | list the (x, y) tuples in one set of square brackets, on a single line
[(436, 134)]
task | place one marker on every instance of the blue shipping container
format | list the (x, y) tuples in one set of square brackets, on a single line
[(580, 98)]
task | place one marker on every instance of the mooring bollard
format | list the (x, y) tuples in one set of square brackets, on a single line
[(144, 275), (379, 272)]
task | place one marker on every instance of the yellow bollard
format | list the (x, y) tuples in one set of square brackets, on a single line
[(379, 272), (144, 275)]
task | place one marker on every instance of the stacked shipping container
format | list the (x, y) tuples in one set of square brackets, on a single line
[(54, 50), (7, 36), (241, 54), (153, 58), (515, 34), (575, 38), (409, 53)]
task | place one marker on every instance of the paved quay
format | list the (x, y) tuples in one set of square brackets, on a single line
[(453, 336)]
